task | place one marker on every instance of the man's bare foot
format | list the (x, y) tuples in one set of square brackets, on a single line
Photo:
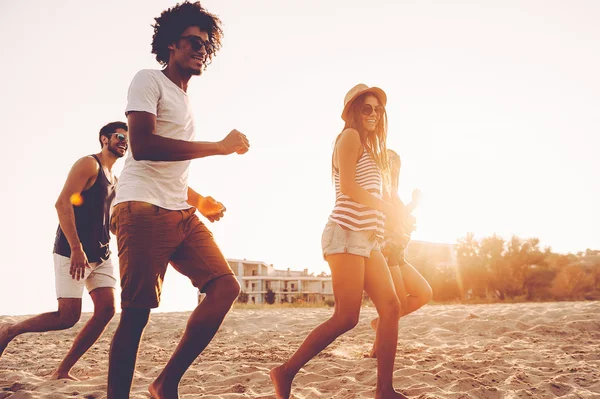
[(158, 390), (282, 382), (61, 375), (5, 336), (389, 394)]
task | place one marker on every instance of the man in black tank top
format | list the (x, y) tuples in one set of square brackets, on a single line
[(81, 253)]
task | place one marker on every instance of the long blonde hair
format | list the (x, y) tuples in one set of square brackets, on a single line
[(374, 143)]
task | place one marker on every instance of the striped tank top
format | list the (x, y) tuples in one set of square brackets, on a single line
[(352, 215)]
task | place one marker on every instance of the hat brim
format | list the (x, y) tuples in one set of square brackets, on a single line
[(376, 91)]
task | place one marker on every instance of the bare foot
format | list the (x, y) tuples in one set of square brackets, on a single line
[(373, 353), (282, 382), (391, 394), (374, 323), (60, 375), (5, 337), (158, 390)]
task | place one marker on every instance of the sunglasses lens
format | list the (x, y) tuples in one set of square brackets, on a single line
[(366, 109), (379, 110), (197, 46), (121, 137)]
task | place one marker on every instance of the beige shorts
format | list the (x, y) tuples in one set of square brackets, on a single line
[(337, 240), (99, 275)]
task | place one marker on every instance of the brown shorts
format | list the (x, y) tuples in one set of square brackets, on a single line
[(149, 238)]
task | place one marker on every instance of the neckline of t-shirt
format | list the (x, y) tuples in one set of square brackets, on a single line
[(170, 81)]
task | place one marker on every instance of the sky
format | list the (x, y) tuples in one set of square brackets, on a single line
[(493, 105)]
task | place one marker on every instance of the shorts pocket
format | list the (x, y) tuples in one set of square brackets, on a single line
[(327, 235)]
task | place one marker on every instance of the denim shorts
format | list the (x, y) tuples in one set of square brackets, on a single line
[(338, 240)]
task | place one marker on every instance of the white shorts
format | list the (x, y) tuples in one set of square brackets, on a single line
[(99, 275)]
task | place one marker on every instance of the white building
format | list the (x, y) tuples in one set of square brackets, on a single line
[(256, 278)]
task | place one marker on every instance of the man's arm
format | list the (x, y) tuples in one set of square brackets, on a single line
[(146, 145), (82, 171)]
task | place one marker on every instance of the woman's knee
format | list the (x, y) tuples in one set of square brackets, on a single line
[(392, 309), (427, 294), (346, 322)]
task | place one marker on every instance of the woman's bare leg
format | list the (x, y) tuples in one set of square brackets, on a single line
[(402, 297), (347, 275), (418, 289), (380, 288), (413, 292)]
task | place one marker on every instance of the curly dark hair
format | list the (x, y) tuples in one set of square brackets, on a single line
[(172, 22)]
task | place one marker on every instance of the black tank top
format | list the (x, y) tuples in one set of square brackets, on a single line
[(92, 220)]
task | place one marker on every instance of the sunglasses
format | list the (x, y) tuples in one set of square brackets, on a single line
[(197, 43), (120, 136), (367, 109)]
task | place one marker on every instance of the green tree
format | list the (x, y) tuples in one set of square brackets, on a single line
[(243, 297), (472, 276), (270, 297), (491, 254)]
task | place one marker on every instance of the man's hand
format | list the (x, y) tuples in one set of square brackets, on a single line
[(79, 262), (211, 209), (235, 142)]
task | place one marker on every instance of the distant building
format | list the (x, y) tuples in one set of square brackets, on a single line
[(256, 278)]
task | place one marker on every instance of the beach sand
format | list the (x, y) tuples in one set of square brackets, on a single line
[(534, 350)]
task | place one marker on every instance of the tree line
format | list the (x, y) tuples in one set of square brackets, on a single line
[(494, 269)]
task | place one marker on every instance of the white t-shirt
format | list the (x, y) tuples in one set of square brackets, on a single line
[(163, 184)]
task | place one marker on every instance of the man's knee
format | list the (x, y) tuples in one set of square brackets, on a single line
[(226, 288), (105, 313), (134, 318), (69, 313), (104, 304)]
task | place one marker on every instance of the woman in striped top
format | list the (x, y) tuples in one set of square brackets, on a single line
[(351, 241)]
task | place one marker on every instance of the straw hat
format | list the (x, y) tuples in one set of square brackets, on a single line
[(358, 90)]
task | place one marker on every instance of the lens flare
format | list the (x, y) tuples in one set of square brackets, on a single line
[(76, 199)]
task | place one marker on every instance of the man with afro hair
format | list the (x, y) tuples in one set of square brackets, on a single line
[(154, 217)]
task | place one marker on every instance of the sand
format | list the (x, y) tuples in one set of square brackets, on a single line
[(536, 350)]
